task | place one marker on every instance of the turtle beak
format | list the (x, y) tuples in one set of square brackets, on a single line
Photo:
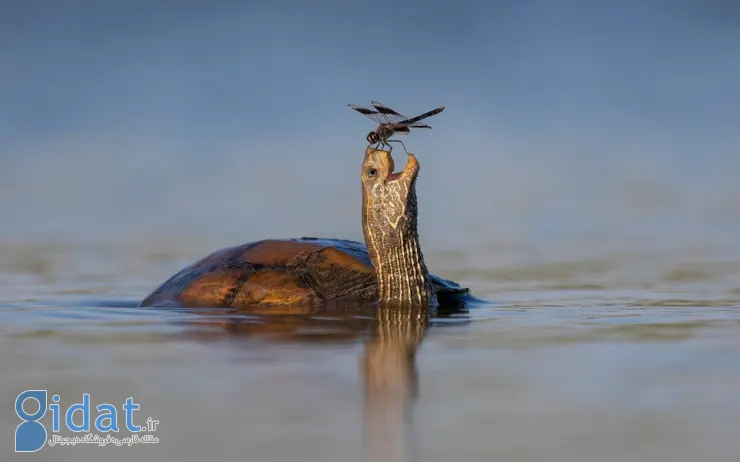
[(409, 172)]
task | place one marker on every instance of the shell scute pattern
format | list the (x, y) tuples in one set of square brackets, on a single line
[(272, 271)]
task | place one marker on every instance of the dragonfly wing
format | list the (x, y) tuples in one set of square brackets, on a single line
[(374, 115), (392, 116)]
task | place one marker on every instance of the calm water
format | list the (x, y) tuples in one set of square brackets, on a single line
[(582, 179), (581, 356)]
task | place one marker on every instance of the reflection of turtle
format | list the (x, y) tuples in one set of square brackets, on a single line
[(296, 271)]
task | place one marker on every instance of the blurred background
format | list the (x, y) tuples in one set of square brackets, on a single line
[(587, 157), (229, 119)]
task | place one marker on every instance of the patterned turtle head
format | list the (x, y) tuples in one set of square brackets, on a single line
[(389, 199), (389, 218)]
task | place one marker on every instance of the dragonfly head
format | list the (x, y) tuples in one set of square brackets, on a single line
[(372, 138)]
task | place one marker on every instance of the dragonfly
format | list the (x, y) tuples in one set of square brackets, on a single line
[(391, 122)]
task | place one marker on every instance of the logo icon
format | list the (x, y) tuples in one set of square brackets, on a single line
[(31, 435)]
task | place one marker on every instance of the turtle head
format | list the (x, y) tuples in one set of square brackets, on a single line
[(387, 196), (389, 217)]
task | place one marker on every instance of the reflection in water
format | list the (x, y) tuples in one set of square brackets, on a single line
[(387, 364), (390, 381)]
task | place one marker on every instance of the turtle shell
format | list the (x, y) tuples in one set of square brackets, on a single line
[(279, 272)]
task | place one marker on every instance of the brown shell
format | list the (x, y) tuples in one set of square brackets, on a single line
[(277, 272)]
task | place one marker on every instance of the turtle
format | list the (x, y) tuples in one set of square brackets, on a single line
[(388, 268)]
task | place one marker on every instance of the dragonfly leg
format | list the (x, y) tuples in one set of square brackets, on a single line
[(399, 141)]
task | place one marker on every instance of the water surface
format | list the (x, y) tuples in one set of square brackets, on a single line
[(599, 356)]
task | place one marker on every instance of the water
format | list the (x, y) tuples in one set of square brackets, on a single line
[(623, 356), (582, 179)]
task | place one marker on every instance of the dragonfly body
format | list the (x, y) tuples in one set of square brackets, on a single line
[(381, 134), (391, 122)]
